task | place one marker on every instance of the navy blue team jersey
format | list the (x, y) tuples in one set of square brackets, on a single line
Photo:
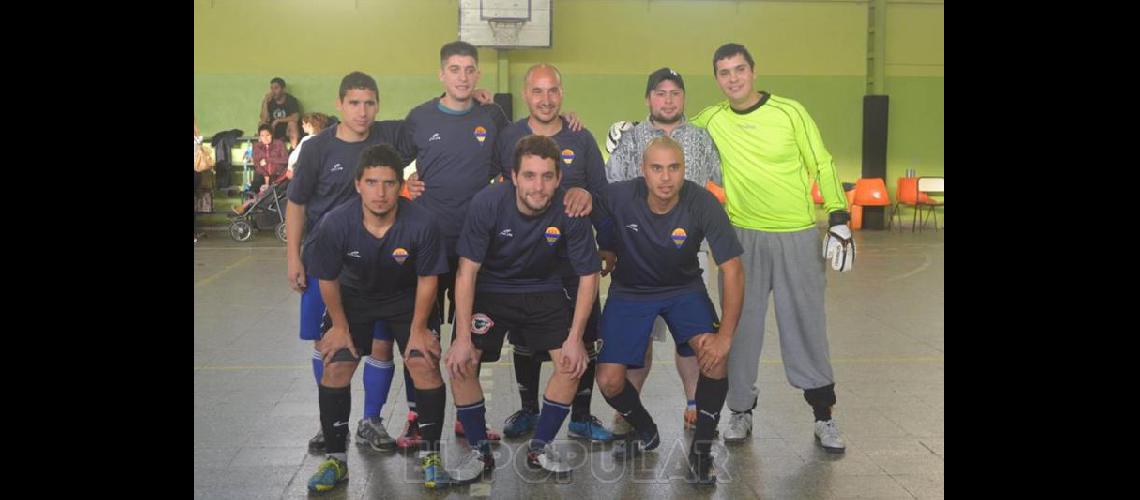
[(453, 158), (324, 175), (521, 254), (580, 159), (657, 254), (342, 249)]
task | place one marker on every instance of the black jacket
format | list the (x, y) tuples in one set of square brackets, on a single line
[(222, 143)]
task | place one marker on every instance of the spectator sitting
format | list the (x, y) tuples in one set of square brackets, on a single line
[(281, 111), (269, 163)]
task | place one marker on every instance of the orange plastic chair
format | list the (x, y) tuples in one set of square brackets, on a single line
[(856, 211), (716, 191), (906, 193), (871, 192), (815, 196), (404, 191)]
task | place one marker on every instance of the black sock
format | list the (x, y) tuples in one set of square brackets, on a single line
[(710, 399), (821, 400), (527, 371), (580, 407), (628, 403), (431, 404), (335, 404), (409, 389)]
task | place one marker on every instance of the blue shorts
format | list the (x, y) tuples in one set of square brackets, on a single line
[(313, 311), (627, 325)]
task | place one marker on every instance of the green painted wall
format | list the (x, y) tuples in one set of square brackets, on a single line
[(814, 52), (916, 83)]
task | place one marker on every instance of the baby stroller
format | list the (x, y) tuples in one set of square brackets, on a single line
[(268, 210)]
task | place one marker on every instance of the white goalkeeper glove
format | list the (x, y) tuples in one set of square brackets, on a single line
[(838, 246)]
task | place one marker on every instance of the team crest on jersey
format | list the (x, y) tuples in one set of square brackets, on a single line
[(481, 323), (480, 134), (400, 255), (552, 235), (679, 237), (567, 156)]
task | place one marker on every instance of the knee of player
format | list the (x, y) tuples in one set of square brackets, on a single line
[(717, 370), (339, 372), (610, 382), (381, 350), (417, 363)]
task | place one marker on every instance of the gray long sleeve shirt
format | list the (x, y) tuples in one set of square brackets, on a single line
[(702, 161)]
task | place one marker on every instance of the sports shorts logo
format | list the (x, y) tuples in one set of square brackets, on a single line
[(400, 255), (679, 237), (354, 254), (481, 324), (552, 235), (567, 156), (434, 137), (633, 227), (506, 233), (480, 134)]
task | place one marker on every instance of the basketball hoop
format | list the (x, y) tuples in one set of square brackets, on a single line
[(506, 30)]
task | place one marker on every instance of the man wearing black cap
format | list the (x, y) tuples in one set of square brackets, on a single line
[(665, 96)]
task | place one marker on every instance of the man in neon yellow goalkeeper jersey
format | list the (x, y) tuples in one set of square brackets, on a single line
[(770, 151)]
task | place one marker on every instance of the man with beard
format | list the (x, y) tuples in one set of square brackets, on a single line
[(513, 249), (582, 170)]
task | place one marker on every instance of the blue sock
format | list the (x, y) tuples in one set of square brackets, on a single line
[(549, 421), (377, 381), (409, 389), (318, 366), (474, 420)]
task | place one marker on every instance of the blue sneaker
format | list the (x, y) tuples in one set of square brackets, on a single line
[(434, 475), (591, 429), (522, 422), (330, 474)]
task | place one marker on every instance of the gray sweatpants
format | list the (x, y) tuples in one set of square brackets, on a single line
[(789, 266)]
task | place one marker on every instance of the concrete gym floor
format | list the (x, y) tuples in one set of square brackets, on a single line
[(255, 400)]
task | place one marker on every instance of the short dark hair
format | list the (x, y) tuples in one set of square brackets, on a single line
[(357, 80), (380, 155), (265, 127), (458, 48), (278, 80), (731, 49), (540, 146)]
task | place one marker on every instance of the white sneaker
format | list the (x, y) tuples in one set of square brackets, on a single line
[(470, 468), (827, 435), (739, 427), (546, 459)]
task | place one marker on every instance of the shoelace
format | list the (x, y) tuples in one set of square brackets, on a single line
[(830, 428)]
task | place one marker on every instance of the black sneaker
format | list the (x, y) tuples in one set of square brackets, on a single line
[(700, 469), (630, 448), (317, 443)]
